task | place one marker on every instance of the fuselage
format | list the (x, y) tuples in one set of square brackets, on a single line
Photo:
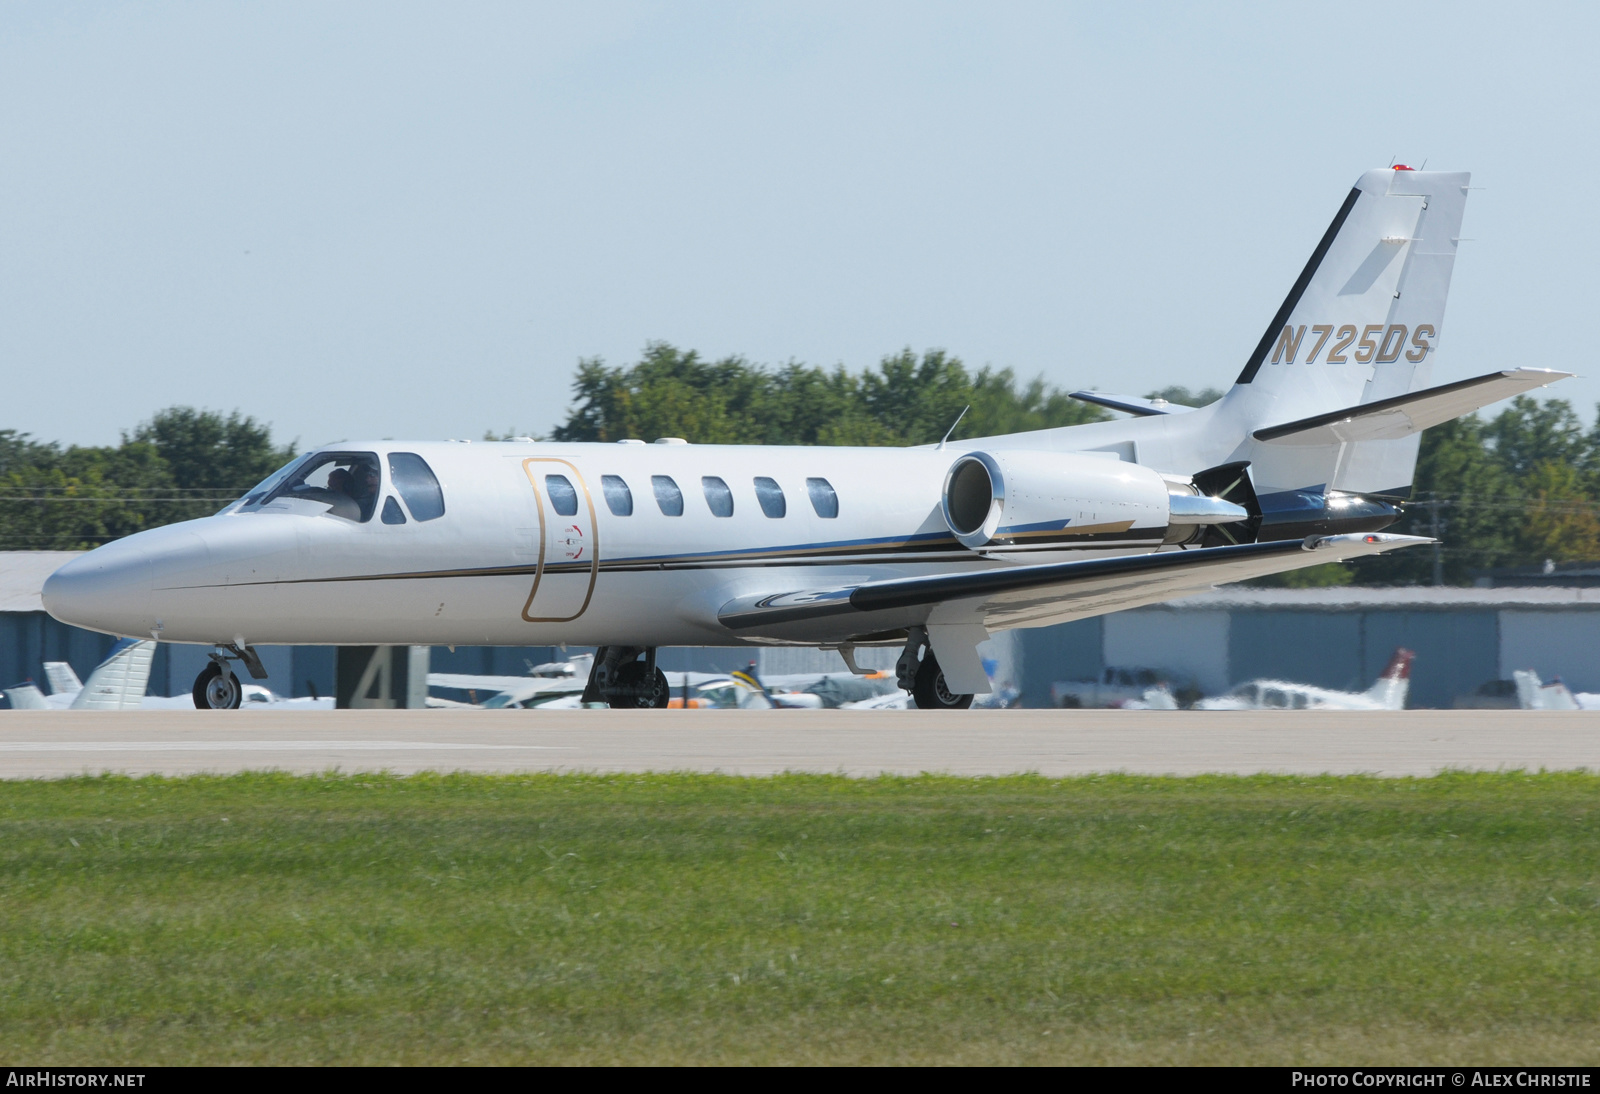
[(589, 544)]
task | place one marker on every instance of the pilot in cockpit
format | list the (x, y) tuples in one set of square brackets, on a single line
[(364, 480), (341, 495)]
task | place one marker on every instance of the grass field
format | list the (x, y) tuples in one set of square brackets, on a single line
[(689, 918)]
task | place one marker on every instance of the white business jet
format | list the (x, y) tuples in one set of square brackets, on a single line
[(632, 546)]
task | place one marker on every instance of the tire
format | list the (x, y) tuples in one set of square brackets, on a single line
[(216, 690), (632, 676), (931, 692)]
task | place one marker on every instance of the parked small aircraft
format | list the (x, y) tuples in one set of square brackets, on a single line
[(1535, 694), (1387, 693), (630, 546), (117, 683)]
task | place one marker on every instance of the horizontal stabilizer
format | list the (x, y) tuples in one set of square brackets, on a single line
[(1014, 596), (1403, 415), (1130, 404)]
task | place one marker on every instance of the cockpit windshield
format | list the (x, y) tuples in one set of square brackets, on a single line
[(268, 484), (340, 484)]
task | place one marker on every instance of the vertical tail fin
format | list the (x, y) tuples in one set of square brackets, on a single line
[(118, 682), (63, 681), (1394, 682), (1361, 323)]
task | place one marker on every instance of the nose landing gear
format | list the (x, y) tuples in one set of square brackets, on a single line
[(217, 688)]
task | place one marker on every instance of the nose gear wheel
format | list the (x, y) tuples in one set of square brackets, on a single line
[(217, 688)]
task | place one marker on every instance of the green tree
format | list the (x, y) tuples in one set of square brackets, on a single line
[(1561, 523), (1511, 491), (206, 452), (1527, 433), (906, 400), (183, 463)]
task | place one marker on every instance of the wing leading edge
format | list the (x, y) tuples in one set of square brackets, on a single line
[(1029, 596)]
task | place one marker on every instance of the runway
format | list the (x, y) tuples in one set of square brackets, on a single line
[(48, 744)]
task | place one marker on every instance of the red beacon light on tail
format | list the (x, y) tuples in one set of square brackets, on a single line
[(1401, 167)]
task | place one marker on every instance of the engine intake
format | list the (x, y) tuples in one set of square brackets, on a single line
[(1052, 500), (1039, 501)]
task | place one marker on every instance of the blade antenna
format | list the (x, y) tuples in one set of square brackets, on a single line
[(952, 428)]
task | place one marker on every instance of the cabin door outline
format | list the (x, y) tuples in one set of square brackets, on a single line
[(530, 469)]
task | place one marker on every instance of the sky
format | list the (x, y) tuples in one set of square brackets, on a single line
[(413, 220)]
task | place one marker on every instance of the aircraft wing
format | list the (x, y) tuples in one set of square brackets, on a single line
[(1016, 596), (1389, 419)]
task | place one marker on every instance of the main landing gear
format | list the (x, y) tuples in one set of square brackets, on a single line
[(918, 672), (625, 681), (217, 688)]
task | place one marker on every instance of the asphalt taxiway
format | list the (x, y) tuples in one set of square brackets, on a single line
[(46, 744)]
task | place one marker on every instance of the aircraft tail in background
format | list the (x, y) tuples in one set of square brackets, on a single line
[(1394, 682), (118, 682)]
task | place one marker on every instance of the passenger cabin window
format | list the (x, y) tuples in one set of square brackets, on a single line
[(417, 484), (391, 511), (563, 498), (718, 496), (770, 495), (619, 499), (668, 496), (343, 484), (823, 499)]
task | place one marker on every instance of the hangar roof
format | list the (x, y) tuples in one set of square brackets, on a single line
[(22, 575)]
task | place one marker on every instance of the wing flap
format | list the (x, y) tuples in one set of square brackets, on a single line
[(1014, 596), (1403, 415)]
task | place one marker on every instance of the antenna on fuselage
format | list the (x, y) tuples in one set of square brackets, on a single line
[(953, 425)]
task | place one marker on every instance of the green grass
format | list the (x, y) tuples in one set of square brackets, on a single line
[(368, 919)]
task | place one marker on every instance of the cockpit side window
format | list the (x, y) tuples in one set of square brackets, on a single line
[(347, 483), (391, 511), (417, 484)]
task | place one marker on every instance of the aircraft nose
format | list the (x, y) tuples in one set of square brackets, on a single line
[(107, 589)]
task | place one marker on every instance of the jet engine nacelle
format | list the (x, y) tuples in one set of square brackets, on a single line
[(1005, 498), (1018, 499)]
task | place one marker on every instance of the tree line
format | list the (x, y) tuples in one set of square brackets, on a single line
[(182, 463), (1511, 489)]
